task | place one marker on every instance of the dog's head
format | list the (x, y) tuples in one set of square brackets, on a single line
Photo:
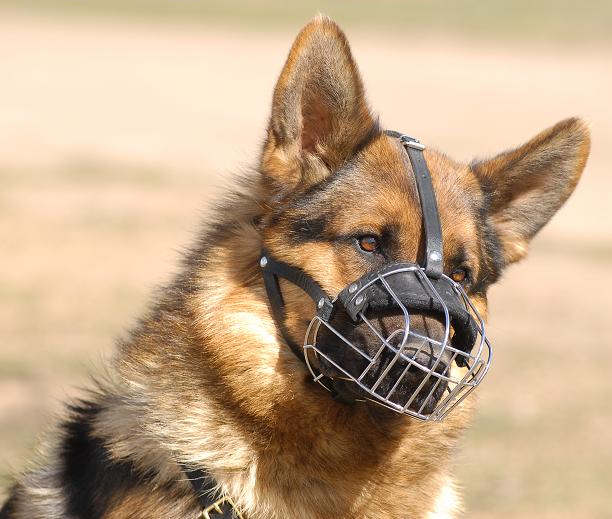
[(341, 201)]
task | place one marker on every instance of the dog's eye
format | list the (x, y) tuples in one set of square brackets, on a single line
[(460, 275), (368, 243)]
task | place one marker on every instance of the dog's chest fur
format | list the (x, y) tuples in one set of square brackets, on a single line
[(319, 478)]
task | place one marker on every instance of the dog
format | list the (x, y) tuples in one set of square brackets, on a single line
[(207, 410)]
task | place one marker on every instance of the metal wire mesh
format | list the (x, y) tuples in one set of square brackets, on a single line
[(441, 383)]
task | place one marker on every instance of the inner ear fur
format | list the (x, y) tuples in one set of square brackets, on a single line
[(319, 113), (526, 186)]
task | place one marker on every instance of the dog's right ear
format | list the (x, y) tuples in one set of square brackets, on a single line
[(319, 113)]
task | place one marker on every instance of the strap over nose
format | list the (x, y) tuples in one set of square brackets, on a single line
[(433, 264)]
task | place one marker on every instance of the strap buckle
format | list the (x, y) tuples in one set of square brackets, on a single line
[(221, 509), (411, 142)]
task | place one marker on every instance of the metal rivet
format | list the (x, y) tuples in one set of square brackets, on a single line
[(321, 303), (359, 300), (263, 261), (435, 256), (353, 288)]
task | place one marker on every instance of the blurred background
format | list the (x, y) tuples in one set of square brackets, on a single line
[(121, 119)]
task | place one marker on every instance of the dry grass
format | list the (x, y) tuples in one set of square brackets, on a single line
[(114, 136)]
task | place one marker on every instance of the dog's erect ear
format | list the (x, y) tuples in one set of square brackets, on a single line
[(526, 186), (319, 112)]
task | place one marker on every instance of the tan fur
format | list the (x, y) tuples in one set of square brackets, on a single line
[(206, 381)]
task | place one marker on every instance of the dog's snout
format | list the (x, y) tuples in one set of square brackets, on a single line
[(422, 335), (422, 352)]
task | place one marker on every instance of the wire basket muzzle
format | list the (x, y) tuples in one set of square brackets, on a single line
[(403, 367)]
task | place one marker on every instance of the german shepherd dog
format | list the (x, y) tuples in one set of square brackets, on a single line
[(207, 382)]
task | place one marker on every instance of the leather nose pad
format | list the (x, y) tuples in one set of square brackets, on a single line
[(405, 288)]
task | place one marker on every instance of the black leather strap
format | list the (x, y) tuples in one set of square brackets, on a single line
[(433, 263), (277, 305), (429, 207), (296, 276)]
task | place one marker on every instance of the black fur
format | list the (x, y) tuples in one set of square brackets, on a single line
[(308, 230), (492, 261), (494, 251), (9, 507), (91, 478)]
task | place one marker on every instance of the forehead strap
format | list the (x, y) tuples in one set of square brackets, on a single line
[(429, 208)]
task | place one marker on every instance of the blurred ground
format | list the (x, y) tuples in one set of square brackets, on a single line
[(116, 131)]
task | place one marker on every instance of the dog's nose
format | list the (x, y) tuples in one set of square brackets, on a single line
[(419, 332), (422, 351)]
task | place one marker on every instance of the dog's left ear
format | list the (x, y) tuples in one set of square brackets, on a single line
[(319, 112), (526, 186)]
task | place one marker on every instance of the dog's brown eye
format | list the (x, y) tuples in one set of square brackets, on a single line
[(368, 243), (459, 275)]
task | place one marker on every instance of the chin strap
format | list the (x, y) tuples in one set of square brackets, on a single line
[(272, 270)]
